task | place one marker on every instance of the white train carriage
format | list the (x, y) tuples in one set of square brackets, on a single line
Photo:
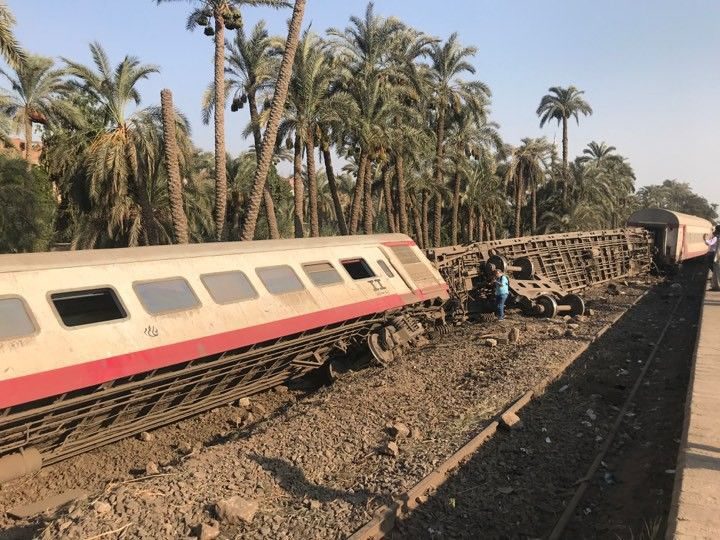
[(677, 237), (96, 345)]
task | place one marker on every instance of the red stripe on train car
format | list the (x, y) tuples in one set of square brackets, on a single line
[(57, 381)]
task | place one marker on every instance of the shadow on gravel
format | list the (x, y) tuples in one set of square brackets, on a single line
[(517, 484), (22, 532), (292, 479)]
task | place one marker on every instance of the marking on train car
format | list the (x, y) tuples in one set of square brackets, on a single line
[(152, 331)]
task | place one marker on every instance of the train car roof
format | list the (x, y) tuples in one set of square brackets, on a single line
[(648, 216), (91, 257)]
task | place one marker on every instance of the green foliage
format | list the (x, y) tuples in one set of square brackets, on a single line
[(26, 197), (678, 197)]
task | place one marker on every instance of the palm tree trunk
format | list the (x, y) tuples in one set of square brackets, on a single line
[(566, 172), (312, 182), (332, 184), (402, 203), (440, 135), (368, 201), (28, 139), (267, 196), (276, 112), (220, 170), (481, 227), (415, 211), (455, 208), (356, 207), (533, 202), (172, 165), (471, 225), (298, 189), (425, 218), (519, 191), (387, 191)]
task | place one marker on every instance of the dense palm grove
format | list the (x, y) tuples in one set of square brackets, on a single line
[(384, 128)]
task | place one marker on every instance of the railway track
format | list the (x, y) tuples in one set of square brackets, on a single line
[(568, 492)]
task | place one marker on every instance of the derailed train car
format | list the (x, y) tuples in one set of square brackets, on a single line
[(98, 345), (676, 237)]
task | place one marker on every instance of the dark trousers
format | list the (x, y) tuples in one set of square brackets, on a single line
[(500, 300)]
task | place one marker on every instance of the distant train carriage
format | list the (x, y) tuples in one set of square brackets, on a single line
[(96, 345), (677, 237)]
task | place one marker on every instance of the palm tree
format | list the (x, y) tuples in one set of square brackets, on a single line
[(172, 166), (598, 153), (216, 16), (468, 139), (448, 61), (365, 77), (123, 155), (526, 170), (36, 97), (484, 199), (9, 47), (274, 118), (252, 68), (310, 106), (561, 104)]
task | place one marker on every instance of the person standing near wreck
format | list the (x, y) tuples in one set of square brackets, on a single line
[(714, 252), (502, 289), (712, 244)]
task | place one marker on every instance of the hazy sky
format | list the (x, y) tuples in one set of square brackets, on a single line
[(650, 68)]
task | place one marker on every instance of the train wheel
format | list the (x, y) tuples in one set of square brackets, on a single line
[(525, 304), (382, 356), (496, 262), (527, 268), (576, 303), (548, 306)]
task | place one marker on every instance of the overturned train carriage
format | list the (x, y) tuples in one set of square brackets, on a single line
[(98, 345), (545, 272)]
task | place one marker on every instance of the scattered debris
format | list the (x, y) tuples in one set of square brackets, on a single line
[(244, 402), (146, 437), (510, 420), (399, 430), (236, 509), (208, 531), (391, 449)]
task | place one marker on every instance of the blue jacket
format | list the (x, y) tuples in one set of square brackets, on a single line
[(502, 285)]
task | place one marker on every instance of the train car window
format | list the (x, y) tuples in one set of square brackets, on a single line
[(322, 273), (229, 287), (15, 320), (357, 268), (279, 279), (89, 306), (385, 268), (164, 296)]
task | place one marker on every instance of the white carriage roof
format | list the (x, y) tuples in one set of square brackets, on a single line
[(92, 257), (662, 216)]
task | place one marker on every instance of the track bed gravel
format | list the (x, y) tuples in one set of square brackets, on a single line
[(315, 462), (518, 484)]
